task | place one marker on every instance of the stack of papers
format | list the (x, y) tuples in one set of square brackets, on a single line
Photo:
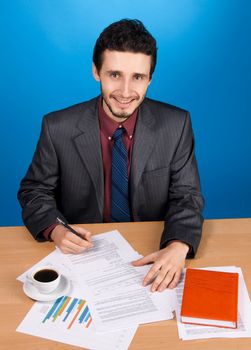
[(117, 296), (107, 301), (191, 331)]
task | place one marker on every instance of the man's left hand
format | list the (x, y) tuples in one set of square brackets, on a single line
[(167, 266)]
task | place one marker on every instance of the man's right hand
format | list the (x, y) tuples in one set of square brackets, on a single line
[(69, 243)]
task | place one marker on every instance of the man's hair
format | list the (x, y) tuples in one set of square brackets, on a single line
[(125, 35)]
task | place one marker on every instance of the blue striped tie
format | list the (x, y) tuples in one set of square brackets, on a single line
[(119, 195)]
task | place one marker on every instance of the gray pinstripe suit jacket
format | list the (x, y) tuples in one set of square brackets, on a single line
[(65, 178)]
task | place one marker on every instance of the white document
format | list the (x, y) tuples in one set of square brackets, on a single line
[(69, 320), (46, 320), (129, 305), (118, 298), (76, 335), (189, 331), (103, 279)]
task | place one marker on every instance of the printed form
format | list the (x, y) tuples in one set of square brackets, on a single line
[(118, 298)]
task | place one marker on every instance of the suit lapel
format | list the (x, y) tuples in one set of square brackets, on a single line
[(89, 148), (142, 147)]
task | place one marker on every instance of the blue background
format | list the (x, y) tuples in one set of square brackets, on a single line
[(204, 65)]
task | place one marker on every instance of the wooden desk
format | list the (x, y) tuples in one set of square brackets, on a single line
[(224, 242)]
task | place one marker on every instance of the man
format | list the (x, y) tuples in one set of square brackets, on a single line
[(118, 157)]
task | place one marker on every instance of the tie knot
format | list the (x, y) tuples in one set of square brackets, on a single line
[(118, 133)]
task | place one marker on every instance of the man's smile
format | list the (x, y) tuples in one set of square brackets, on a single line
[(123, 103)]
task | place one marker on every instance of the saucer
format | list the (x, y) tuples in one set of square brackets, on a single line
[(63, 288)]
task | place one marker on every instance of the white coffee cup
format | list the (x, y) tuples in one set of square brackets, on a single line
[(45, 278)]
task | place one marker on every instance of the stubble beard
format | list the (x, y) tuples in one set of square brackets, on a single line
[(122, 115)]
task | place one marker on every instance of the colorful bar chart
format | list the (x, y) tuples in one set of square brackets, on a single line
[(72, 311)]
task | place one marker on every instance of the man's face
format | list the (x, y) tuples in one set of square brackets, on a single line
[(124, 79)]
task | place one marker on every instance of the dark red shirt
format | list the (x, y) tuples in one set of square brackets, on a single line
[(107, 129)]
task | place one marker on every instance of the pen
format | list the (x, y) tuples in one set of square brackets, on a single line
[(69, 228)]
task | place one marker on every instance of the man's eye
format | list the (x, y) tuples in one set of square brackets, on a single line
[(138, 77), (114, 75)]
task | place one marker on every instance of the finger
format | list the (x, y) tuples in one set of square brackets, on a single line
[(88, 237), (169, 278), (159, 279), (152, 273), (175, 280), (74, 243), (74, 248), (71, 237), (84, 233), (143, 261), (66, 250)]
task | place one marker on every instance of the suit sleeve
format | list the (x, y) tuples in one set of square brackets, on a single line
[(38, 188), (183, 219)]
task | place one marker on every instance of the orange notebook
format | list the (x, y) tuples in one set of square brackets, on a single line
[(210, 298)]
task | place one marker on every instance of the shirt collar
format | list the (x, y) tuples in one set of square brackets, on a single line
[(108, 125)]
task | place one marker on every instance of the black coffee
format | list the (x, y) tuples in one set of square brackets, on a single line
[(46, 275)]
